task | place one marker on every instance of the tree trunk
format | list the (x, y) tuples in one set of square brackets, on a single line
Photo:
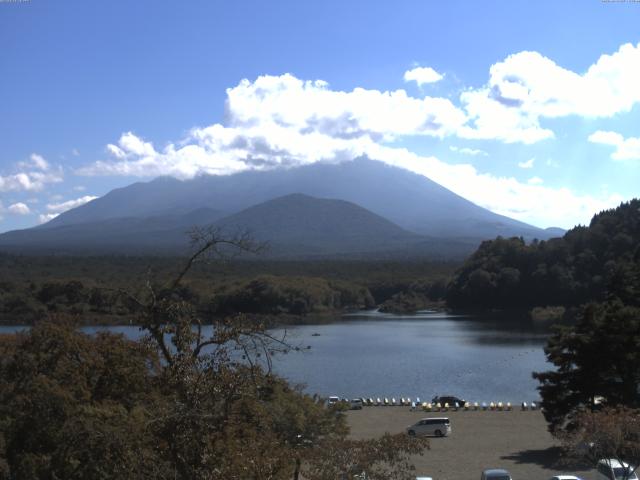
[(296, 472)]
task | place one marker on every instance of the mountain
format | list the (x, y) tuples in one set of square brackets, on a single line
[(293, 226), (357, 208), (154, 235), (300, 225), (554, 232), (411, 201)]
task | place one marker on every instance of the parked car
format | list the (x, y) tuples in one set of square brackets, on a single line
[(565, 477), (612, 469), (495, 474), (440, 427), (450, 399), (356, 404), (333, 400)]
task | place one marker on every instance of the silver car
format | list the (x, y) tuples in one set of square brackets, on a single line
[(495, 474), (440, 427)]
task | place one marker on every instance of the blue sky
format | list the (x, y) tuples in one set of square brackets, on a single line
[(531, 109)]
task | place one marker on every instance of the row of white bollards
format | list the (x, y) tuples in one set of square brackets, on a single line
[(438, 407), (494, 406)]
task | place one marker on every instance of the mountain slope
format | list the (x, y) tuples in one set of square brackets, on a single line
[(293, 226), (159, 234), (411, 201), (302, 223)]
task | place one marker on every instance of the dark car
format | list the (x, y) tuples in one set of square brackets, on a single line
[(451, 400)]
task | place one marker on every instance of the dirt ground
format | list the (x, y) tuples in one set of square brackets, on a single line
[(516, 440)]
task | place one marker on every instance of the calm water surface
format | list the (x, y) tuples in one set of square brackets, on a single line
[(376, 355)]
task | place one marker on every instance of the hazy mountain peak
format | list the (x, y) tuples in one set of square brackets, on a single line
[(322, 197)]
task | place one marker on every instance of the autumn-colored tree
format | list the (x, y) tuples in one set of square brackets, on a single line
[(608, 434), (195, 399), (76, 406), (384, 458)]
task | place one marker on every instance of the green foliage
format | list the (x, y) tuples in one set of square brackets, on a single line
[(598, 357), (88, 287), (181, 404), (268, 294), (416, 296), (588, 264)]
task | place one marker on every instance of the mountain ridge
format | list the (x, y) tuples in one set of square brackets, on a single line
[(412, 201), (294, 226), (362, 207)]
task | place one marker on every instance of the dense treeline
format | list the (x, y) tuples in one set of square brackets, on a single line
[(591, 263), (181, 403), (34, 287), (597, 358), (268, 294), (418, 295), (95, 407)]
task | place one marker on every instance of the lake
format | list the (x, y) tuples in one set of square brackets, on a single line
[(371, 354)]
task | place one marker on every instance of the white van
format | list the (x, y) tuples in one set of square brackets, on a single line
[(612, 469), (440, 427)]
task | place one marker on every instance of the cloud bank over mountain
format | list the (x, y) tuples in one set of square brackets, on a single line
[(283, 122)]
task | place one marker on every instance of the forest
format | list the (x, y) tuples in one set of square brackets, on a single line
[(589, 263), (33, 287), (179, 404)]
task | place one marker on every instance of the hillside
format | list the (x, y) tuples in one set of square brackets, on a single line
[(411, 201), (293, 226), (152, 235), (594, 263), (302, 223)]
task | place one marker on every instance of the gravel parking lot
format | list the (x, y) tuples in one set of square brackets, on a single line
[(515, 440)]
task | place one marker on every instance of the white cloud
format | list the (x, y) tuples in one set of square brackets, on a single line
[(528, 164), (33, 176), (39, 162), (528, 86), (45, 217), (19, 209), (422, 75), (535, 181), (489, 119), (283, 122), (68, 205), (55, 209), (75, 152), (468, 151), (311, 106), (539, 205), (626, 148), (28, 181)]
